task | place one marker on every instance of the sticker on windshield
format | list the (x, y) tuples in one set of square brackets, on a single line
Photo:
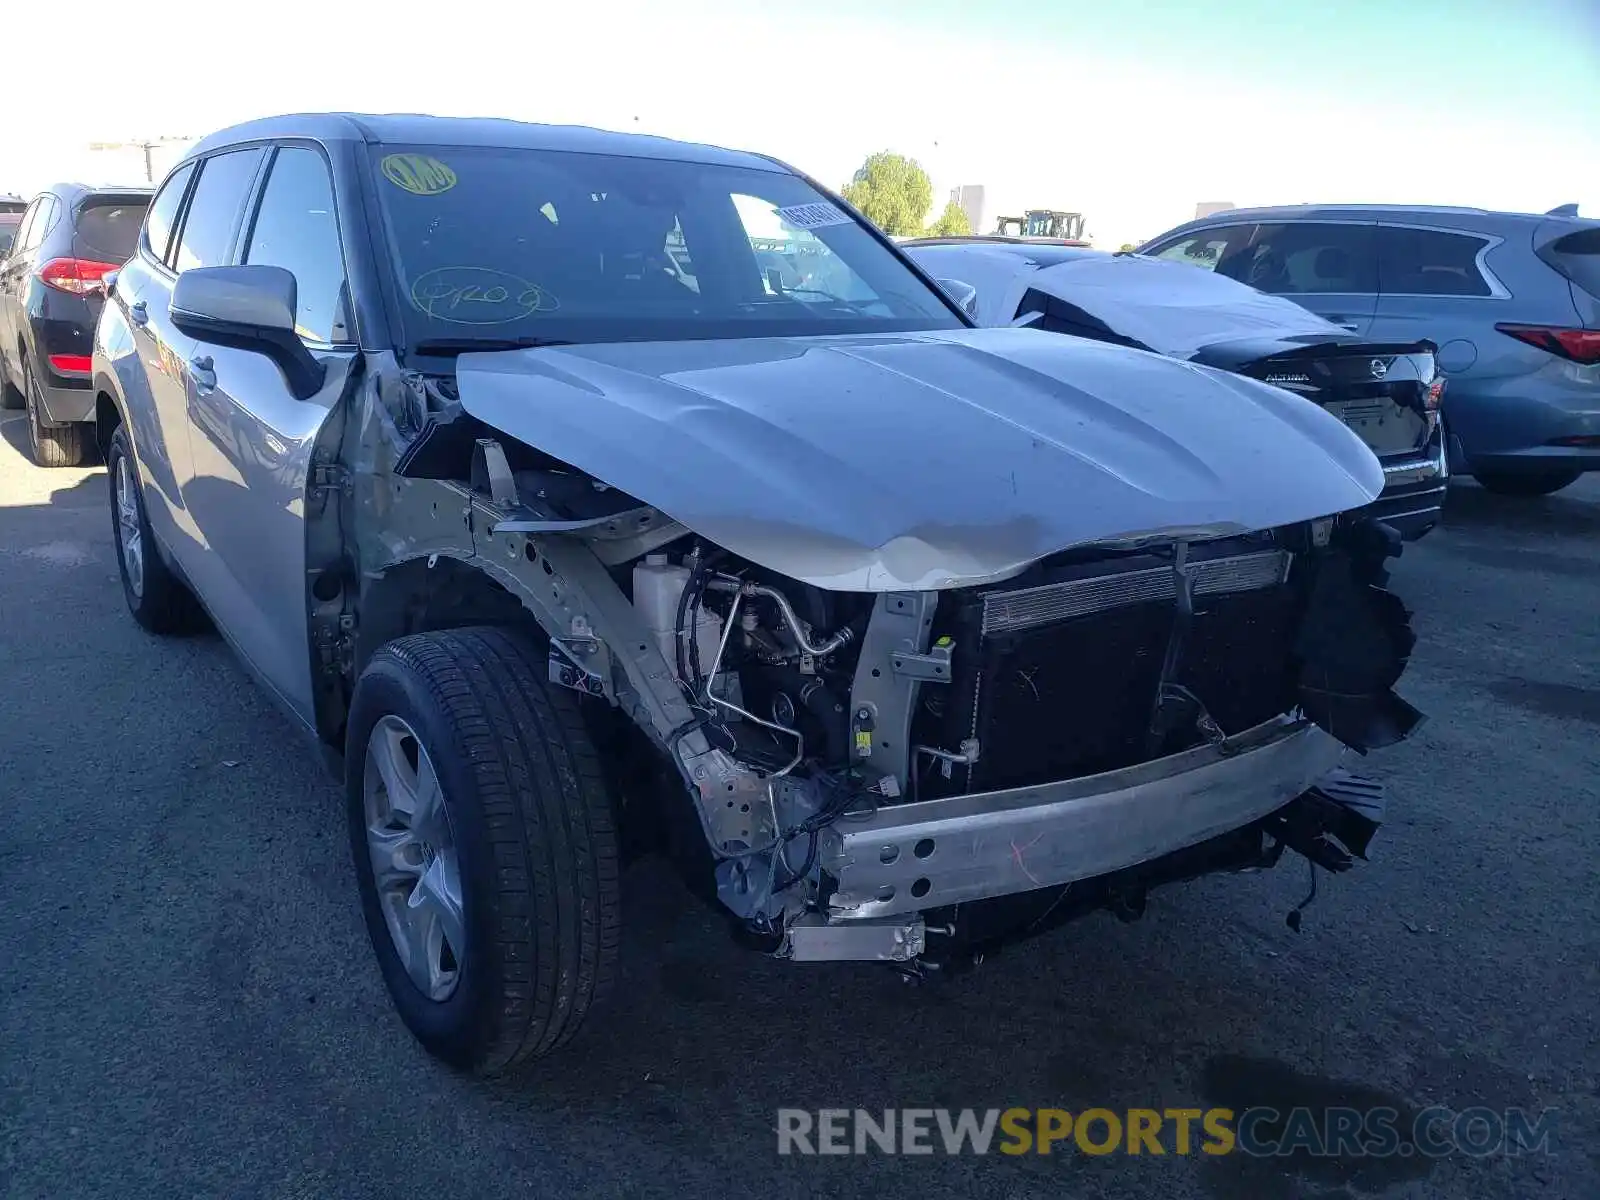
[(478, 296), (418, 174), (813, 216)]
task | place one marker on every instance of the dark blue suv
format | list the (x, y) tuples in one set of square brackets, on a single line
[(52, 286)]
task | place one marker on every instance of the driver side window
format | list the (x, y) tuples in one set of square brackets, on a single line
[(1202, 250), (297, 228)]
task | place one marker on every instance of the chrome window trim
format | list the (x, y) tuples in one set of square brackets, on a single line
[(1497, 290)]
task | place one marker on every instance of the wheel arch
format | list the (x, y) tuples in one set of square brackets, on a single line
[(419, 593), (108, 415)]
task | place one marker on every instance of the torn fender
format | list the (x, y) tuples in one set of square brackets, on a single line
[(1355, 641)]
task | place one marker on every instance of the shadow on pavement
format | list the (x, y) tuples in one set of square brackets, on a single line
[(1566, 513), (14, 432)]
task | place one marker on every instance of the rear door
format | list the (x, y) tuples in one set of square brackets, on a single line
[(252, 439), (154, 387), (205, 237), (1329, 267), (1437, 284)]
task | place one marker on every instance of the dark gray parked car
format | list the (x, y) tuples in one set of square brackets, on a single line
[(1512, 300)]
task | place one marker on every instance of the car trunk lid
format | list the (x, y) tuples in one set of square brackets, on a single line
[(1387, 393)]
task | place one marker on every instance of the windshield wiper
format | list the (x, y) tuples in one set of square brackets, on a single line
[(448, 346)]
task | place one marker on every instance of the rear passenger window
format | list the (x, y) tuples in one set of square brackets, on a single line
[(296, 229), (1577, 256), (1299, 258), (108, 229), (207, 236), (1427, 262), (164, 212)]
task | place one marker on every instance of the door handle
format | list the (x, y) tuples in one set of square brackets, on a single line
[(139, 313), (203, 372)]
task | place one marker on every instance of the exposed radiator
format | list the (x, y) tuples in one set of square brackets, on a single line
[(1007, 612)]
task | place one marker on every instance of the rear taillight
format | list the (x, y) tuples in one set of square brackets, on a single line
[(81, 276), (70, 364), (1433, 396), (1579, 345)]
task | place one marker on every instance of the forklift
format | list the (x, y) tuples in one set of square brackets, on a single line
[(1043, 223)]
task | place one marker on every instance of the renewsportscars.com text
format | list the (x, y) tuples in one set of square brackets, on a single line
[(1260, 1132)]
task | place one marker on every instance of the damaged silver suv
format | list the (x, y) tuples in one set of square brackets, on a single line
[(507, 460)]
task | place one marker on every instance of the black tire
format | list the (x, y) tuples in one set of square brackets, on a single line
[(529, 810), (10, 396), (52, 445), (1540, 484), (158, 599)]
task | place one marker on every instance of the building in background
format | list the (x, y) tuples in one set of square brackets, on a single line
[(970, 199), (1206, 207)]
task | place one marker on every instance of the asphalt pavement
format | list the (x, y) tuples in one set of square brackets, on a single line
[(189, 1006)]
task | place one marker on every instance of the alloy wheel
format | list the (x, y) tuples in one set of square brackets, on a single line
[(414, 863), (130, 534)]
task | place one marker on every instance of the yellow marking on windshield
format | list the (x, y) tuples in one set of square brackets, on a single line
[(418, 174)]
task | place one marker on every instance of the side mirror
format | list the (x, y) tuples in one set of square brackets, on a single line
[(963, 294), (248, 308)]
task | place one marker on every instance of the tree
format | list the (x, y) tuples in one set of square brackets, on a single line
[(893, 191), (952, 222)]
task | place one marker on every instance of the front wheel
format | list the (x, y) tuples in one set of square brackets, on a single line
[(1536, 484), (484, 845)]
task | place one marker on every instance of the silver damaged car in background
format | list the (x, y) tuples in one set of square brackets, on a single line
[(579, 527)]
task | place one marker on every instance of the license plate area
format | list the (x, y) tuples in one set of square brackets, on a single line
[(1386, 427)]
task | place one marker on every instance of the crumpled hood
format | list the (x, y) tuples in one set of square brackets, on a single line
[(924, 460), (1169, 307), (1177, 309)]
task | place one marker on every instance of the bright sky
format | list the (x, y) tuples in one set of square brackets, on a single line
[(1130, 111)]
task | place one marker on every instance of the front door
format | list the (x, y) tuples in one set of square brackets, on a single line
[(252, 441)]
